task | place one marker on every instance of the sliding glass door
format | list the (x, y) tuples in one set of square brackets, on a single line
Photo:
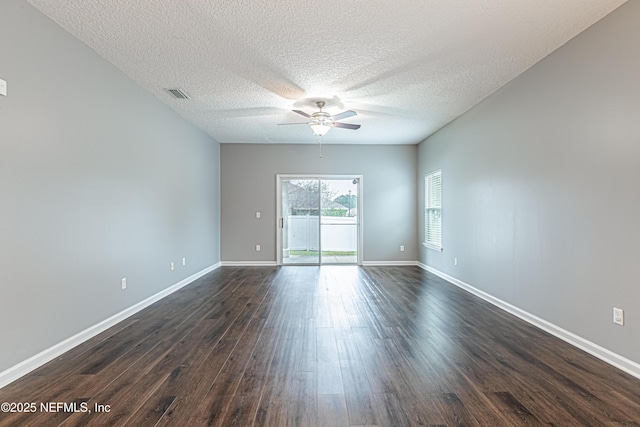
[(339, 221), (300, 221), (319, 219)]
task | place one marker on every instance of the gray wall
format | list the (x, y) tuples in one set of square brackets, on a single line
[(98, 180), (248, 176), (540, 187)]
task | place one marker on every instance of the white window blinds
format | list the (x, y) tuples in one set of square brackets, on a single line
[(433, 209)]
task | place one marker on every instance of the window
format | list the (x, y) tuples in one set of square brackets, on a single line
[(433, 210)]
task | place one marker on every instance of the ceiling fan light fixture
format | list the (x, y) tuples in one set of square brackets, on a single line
[(320, 129), (321, 122)]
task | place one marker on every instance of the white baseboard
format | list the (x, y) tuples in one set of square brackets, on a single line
[(249, 263), (274, 263), (387, 263), (13, 373), (608, 356)]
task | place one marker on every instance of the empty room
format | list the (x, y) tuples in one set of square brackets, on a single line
[(297, 213)]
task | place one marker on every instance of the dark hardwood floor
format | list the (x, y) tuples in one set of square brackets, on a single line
[(325, 346)]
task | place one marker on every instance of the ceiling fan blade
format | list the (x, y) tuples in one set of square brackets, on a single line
[(281, 124), (346, 126), (343, 115), (302, 113)]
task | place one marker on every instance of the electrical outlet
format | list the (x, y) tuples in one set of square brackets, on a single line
[(401, 248), (455, 261), (124, 283), (172, 266), (258, 215), (618, 316), (184, 261), (257, 248)]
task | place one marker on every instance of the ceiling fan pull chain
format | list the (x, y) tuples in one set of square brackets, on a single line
[(320, 144)]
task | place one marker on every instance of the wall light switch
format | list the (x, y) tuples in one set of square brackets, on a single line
[(258, 215), (172, 266), (257, 248), (3, 87), (124, 283), (184, 261), (455, 261)]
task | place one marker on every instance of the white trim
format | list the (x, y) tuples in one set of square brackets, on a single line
[(279, 218), (608, 356), (434, 247), (248, 263), (274, 263), (388, 263), (16, 371)]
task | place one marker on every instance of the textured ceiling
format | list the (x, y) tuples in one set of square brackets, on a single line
[(407, 67)]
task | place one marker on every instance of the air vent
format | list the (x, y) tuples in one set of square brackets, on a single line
[(178, 93)]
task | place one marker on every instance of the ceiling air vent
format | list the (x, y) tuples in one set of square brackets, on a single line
[(178, 93)]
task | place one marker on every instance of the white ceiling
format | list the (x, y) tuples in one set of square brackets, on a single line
[(407, 67)]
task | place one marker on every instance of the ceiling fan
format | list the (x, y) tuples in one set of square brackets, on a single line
[(322, 122)]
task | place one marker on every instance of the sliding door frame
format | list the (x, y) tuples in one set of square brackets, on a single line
[(321, 177)]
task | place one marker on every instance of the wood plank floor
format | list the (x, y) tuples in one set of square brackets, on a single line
[(325, 346)]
